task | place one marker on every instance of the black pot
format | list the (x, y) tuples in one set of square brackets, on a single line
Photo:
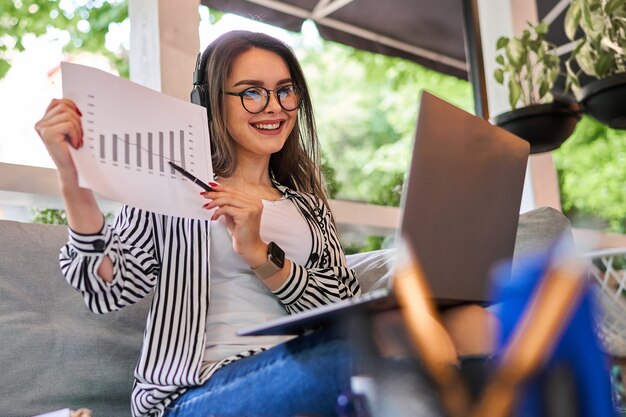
[(544, 126), (605, 100)]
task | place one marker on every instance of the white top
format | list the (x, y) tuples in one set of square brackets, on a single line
[(238, 297)]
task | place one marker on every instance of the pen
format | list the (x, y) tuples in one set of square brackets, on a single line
[(190, 176)]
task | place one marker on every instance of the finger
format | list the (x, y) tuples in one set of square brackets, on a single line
[(229, 200), (65, 117), (62, 105), (59, 128), (225, 211), (64, 102), (241, 216), (216, 188), (59, 113)]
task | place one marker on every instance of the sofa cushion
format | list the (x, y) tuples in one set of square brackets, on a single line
[(373, 269), (54, 352)]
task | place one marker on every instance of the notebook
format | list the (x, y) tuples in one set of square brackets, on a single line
[(460, 208)]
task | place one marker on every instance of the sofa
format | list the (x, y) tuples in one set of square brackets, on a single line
[(55, 353)]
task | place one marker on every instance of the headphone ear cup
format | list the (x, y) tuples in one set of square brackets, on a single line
[(200, 96)]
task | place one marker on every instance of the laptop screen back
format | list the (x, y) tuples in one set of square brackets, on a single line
[(461, 200)]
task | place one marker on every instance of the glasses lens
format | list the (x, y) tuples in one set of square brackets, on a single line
[(254, 99), (288, 97)]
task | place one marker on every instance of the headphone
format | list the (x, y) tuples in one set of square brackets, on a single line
[(200, 90)]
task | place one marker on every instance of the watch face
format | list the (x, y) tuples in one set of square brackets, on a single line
[(276, 254)]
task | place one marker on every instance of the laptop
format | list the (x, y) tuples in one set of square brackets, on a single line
[(460, 209)]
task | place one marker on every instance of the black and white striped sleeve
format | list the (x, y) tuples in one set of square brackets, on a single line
[(129, 245), (328, 279)]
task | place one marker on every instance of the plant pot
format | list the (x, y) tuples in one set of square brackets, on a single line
[(544, 126), (605, 100)]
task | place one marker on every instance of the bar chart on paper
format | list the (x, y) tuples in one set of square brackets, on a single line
[(145, 152), (129, 134)]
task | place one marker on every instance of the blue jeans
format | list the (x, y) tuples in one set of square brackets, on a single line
[(302, 377)]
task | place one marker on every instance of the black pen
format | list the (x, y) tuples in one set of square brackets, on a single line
[(190, 176)]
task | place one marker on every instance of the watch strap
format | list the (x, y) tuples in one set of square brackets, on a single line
[(273, 264)]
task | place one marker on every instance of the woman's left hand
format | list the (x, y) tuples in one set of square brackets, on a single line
[(242, 215)]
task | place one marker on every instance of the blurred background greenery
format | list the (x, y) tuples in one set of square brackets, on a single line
[(366, 108)]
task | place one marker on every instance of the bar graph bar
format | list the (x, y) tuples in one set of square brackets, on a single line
[(114, 148), (172, 171), (150, 154), (102, 152), (161, 150), (138, 150), (127, 149)]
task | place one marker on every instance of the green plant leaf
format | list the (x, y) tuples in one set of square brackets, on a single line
[(610, 45), (502, 42), (498, 74), (603, 65), (541, 55), (515, 53), (585, 60), (613, 5), (553, 60), (533, 45), (500, 59), (579, 45), (586, 22), (572, 19), (4, 67), (544, 88), (515, 91), (542, 29)]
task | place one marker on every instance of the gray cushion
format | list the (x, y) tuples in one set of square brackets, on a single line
[(539, 229), (54, 352), (373, 269)]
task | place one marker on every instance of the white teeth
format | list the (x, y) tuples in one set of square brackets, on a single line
[(267, 126)]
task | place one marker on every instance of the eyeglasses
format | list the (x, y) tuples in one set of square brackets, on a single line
[(256, 99)]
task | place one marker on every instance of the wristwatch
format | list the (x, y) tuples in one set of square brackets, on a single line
[(275, 261)]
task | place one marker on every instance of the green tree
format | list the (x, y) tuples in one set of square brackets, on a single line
[(366, 114), (591, 168), (86, 22)]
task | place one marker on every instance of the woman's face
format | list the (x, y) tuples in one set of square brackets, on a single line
[(264, 133)]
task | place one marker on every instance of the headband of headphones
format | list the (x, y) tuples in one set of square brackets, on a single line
[(200, 90)]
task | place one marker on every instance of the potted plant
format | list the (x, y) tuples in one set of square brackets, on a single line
[(600, 52), (530, 66)]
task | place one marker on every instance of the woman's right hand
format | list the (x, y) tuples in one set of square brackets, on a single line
[(59, 128)]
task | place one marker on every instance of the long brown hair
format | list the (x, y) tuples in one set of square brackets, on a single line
[(297, 164)]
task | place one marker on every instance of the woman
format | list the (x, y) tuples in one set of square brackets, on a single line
[(267, 196), (268, 247)]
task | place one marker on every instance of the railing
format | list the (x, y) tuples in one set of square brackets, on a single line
[(28, 186), (608, 270)]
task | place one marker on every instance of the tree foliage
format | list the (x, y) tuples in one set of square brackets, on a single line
[(592, 176), (366, 111), (86, 22)]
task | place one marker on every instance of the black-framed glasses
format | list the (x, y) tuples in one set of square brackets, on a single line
[(256, 99)]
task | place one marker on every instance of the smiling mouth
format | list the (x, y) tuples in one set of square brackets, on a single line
[(267, 126)]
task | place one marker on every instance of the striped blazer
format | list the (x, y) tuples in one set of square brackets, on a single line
[(170, 256)]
